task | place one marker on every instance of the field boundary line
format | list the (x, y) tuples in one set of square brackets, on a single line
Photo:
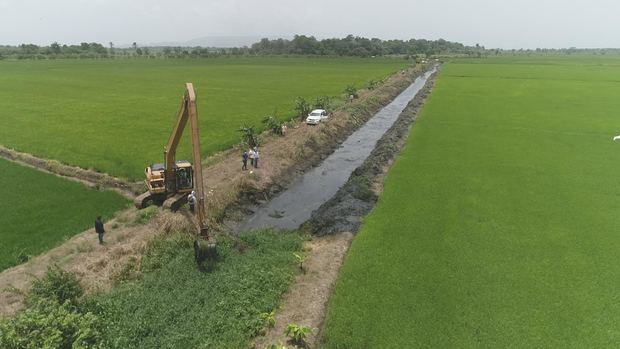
[(89, 178)]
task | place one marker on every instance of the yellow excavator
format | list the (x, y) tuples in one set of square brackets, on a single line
[(170, 183)]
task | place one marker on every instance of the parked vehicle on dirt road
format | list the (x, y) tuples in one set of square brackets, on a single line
[(316, 116)]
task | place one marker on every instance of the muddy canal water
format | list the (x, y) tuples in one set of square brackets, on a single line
[(294, 206)]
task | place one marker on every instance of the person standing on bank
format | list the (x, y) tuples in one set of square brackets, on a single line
[(191, 200), (244, 159), (99, 229), (251, 155), (256, 156)]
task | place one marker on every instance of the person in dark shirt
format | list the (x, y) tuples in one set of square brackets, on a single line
[(99, 229), (244, 158)]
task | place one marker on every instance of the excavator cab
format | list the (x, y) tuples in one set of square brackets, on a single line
[(184, 175)]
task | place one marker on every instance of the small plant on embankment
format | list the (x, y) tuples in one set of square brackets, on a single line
[(249, 136), (322, 102), (351, 90), (300, 258), (302, 107), (297, 333), (269, 318), (273, 124)]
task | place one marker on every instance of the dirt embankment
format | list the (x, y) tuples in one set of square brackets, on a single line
[(228, 189), (345, 210), (90, 178)]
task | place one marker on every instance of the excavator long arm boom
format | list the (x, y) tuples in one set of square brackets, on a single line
[(170, 151), (201, 211)]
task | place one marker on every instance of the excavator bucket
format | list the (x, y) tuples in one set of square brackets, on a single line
[(205, 251)]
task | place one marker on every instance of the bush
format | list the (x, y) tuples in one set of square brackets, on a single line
[(50, 324), (302, 107), (52, 318), (57, 285), (372, 84), (273, 124), (323, 102), (249, 136), (351, 91)]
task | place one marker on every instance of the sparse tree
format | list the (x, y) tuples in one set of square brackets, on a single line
[(55, 48), (302, 107)]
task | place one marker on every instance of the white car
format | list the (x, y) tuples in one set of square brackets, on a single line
[(316, 116)]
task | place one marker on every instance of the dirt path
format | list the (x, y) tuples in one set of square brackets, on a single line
[(97, 266), (87, 177), (282, 158), (305, 303)]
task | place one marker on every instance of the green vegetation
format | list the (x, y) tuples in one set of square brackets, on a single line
[(38, 210), (52, 318), (116, 115), (174, 305), (171, 304), (498, 224), (297, 333)]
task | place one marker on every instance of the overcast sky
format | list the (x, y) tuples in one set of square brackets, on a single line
[(504, 24)]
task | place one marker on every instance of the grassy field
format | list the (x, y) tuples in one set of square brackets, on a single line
[(37, 210), (116, 115), (499, 222), (174, 305)]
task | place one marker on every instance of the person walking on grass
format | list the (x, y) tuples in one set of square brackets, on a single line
[(244, 159), (99, 229), (251, 154), (256, 156)]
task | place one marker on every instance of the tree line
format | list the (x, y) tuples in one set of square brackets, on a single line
[(353, 46), (299, 45)]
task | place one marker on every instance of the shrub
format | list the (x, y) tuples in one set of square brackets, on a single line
[(351, 91), (302, 107), (50, 324), (52, 318), (249, 136), (372, 84), (57, 285), (273, 124), (323, 102)]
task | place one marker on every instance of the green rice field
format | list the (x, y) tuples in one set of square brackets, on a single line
[(38, 210), (499, 224), (115, 116)]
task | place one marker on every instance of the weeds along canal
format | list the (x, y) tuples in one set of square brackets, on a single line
[(294, 206)]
